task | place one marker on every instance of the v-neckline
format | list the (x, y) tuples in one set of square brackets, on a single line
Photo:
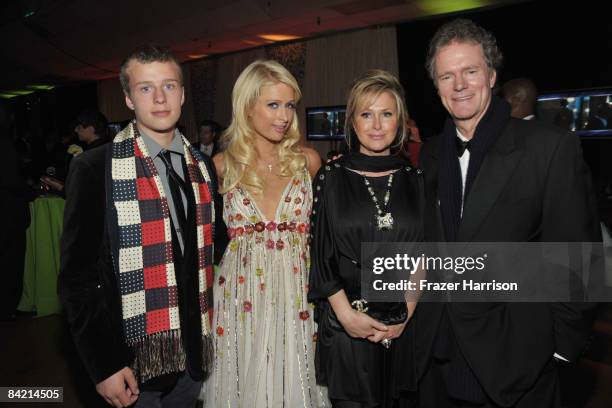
[(278, 203)]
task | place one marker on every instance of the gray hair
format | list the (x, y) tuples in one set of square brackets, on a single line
[(463, 31)]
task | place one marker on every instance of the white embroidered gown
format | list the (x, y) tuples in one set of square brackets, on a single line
[(263, 324)]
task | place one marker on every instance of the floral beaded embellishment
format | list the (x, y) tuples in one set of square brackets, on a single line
[(280, 244), (304, 315), (247, 306)]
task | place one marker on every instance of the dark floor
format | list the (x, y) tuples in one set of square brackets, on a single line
[(39, 352)]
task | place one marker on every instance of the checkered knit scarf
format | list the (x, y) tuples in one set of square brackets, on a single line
[(145, 264)]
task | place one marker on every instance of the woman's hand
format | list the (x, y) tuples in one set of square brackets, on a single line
[(360, 325), (394, 331), (356, 324)]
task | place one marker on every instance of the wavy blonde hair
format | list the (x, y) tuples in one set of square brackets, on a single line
[(239, 158)]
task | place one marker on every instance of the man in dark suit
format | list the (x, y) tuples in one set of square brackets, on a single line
[(522, 95), (136, 256), (517, 181), (208, 137), (91, 127)]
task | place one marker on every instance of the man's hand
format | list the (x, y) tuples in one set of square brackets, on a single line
[(120, 389)]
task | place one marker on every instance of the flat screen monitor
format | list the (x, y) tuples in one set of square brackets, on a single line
[(325, 122), (586, 112)]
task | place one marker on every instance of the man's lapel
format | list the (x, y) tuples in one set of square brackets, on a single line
[(497, 168)]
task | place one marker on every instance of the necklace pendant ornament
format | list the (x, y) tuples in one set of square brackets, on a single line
[(384, 222)]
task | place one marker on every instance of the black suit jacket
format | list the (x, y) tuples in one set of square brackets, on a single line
[(87, 283), (533, 185)]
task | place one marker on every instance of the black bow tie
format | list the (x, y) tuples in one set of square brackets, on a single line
[(462, 146)]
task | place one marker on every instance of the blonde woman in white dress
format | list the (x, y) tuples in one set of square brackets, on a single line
[(264, 328)]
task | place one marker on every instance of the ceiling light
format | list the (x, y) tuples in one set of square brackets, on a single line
[(40, 87), (254, 43), (450, 6), (196, 56), (279, 37), (19, 92)]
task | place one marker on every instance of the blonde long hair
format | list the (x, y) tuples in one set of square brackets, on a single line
[(240, 158)]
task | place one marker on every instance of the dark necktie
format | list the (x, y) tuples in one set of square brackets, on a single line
[(176, 184), (462, 146)]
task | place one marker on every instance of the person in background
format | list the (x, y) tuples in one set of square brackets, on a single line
[(521, 94), (493, 178), (411, 148), (208, 136), (91, 127), (371, 194), (564, 117)]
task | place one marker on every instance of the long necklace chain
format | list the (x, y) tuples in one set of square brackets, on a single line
[(384, 219)]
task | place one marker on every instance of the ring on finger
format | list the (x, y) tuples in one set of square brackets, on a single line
[(386, 343)]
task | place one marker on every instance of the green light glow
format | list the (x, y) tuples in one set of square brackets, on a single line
[(19, 92), (40, 87), (450, 6), (29, 89)]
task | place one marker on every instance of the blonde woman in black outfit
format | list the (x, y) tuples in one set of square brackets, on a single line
[(369, 195)]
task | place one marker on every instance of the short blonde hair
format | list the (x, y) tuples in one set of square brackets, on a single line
[(239, 137), (364, 92)]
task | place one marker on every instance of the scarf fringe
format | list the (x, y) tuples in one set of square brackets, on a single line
[(208, 354), (163, 353), (158, 354)]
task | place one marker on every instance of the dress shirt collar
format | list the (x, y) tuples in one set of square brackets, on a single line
[(154, 148)]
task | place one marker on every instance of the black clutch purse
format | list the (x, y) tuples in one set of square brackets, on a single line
[(386, 313)]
